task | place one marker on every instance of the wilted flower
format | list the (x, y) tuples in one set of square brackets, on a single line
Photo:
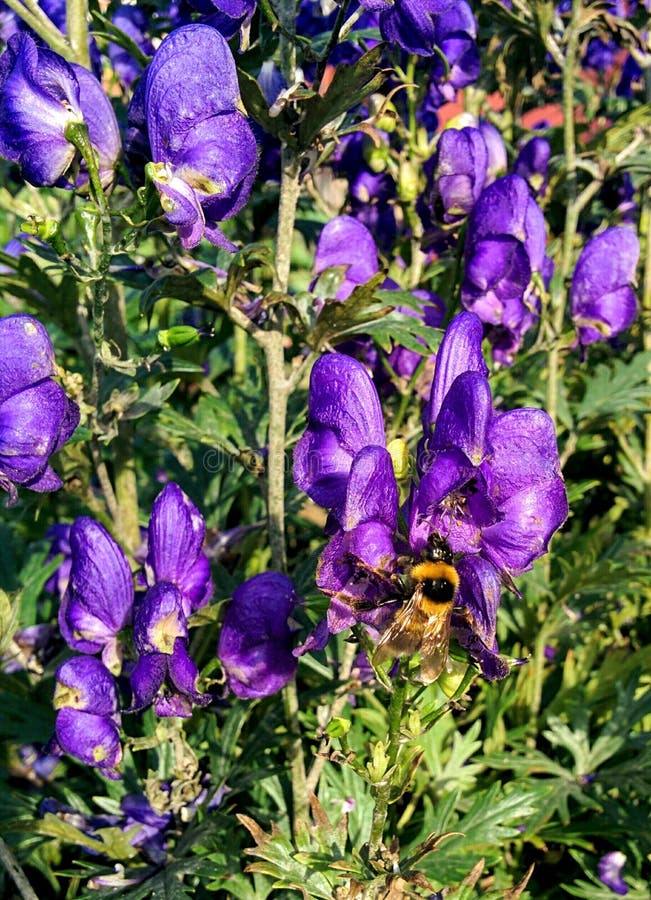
[(41, 95), (610, 872), (255, 642), (602, 300), (203, 150), (36, 417)]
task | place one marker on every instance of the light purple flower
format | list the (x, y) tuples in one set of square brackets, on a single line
[(345, 241), (40, 96), (610, 868), (99, 600), (36, 417), (602, 300), (203, 150), (532, 164), (255, 642)]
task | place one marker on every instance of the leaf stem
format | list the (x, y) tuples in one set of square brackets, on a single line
[(16, 873)]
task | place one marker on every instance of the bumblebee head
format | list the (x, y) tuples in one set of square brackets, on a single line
[(438, 550)]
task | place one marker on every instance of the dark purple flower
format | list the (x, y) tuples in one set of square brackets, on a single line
[(602, 300), (151, 834), (175, 540), (344, 416), (532, 164), (36, 417), (90, 738), (168, 681), (203, 150), (457, 63), (99, 600), (610, 868), (409, 24), (84, 683), (227, 16), (255, 642), (40, 96), (460, 166), (505, 246)]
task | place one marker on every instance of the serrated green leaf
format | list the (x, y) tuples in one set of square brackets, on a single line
[(187, 288), (337, 319), (615, 389)]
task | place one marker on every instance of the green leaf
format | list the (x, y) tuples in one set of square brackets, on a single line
[(257, 107), (351, 84), (8, 621), (187, 288), (615, 389), (354, 315)]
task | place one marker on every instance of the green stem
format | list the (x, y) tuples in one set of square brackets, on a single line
[(33, 15), (286, 10), (300, 797), (646, 343), (382, 790), (12, 868), (572, 210), (77, 29)]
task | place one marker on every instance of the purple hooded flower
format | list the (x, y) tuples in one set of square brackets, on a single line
[(40, 96), (168, 680), (345, 241), (460, 167), (457, 62), (409, 23), (489, 484), (36, 417), (203, 150), (175, 540), (88, 720), (505, 246), (344, 416), (255, 642), (490, 481), (602, 300), (159, 620), (227, 16), (610, 868), (532, 164), (99, 600)]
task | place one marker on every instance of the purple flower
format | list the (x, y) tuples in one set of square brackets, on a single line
[(344, 416), (345, 241), (159, 620), (59, 535), (203, 150), (99, 600), (168, 681), (610, 868), (497, 159), (532, 163), (36, 417), (88, 720), (29, 648), (409, 23), (175, 540), (460, 166), (602, 301), (40, 96), (505, 246), (133, 21), (455, 36), (227, 16), (255, 642)]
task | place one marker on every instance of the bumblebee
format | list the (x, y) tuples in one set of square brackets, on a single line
[(422, 624)]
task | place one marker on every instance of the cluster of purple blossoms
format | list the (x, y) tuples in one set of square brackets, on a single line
[(100, 603), (36, 416), (185, 118), (487, 482)]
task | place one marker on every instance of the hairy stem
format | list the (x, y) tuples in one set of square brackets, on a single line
[(382, 790), (77, 29), (572, 209)]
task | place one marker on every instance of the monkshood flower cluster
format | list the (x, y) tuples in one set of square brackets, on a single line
[(185, 118), (41, 97), (486, 481), (36, 416), (100, 603)]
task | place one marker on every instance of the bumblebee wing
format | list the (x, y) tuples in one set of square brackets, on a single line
[(435, 644), (404, 633)]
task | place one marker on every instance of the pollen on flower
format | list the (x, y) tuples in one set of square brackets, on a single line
[(99, 753), (165, 632)]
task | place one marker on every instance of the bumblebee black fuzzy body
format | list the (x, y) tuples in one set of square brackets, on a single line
[(422, 624)]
